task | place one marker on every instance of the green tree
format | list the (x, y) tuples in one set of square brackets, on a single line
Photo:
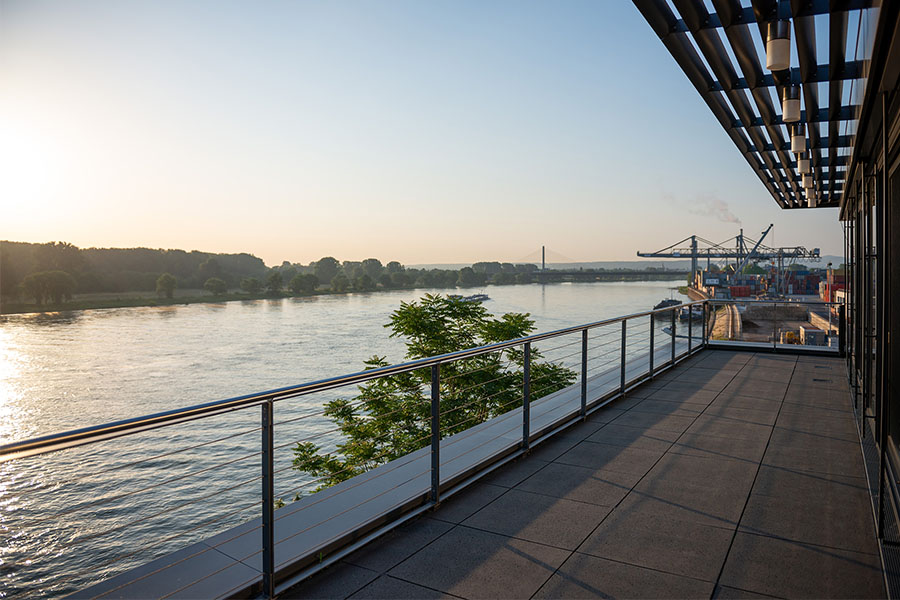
[(303, 283), (364, 283), (467, 277), (251, 285), (274, 282), (340, 283), (215, 286), (391, 415), (372, 268), (49, 286), (166, 284), (326, 268), (394, 267)]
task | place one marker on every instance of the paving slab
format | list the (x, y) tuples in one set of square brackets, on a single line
[(539, 518), (729, 427), (635, 437), (655, 421), (581, 484), (740, 414), (584, 576), (391, 588), (715, 446), (399, 544), (660, 542), (700, 396), (337, 581), (792, 569), (684, 409), (515, 472), (466, 503), (597, 456), (471, 563)]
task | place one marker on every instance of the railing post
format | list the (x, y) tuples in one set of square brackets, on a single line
[(526, 401), (673, 337), (690, 328), (268, 500), (841, 330), (705, 323), (652, 349), (435, 433), (584, 372), (622, 365), (774, 325)]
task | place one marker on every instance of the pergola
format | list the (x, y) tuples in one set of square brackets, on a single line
[(724, 55)]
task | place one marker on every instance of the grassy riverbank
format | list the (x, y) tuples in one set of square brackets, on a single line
[(187, 296)]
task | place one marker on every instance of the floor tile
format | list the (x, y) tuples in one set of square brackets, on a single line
[(515, 472), (398, 545), (794, 570), (635, 437), (337, 581), (728, 427), (582, 484), (467, 502), (584, 576), (613, 458), (715, 446), (642, 538), (471, 563), (390, 588), (653, 421), (539, 518)]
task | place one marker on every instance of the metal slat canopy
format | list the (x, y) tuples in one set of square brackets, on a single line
[(738, 88)]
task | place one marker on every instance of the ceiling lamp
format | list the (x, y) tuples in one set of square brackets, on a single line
[(790, 103), (810, 201), (803, 164), (807, 182), (798, 138), (778, 45)]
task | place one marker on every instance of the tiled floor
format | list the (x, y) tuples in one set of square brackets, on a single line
[(733, 475)]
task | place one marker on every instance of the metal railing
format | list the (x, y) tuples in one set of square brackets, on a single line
[(606, 358)]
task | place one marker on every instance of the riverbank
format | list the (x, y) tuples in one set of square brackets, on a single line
[(188, 296)]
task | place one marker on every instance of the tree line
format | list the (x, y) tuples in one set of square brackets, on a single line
[(53, 272)]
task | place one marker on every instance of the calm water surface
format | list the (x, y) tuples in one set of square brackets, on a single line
[(81, 515)]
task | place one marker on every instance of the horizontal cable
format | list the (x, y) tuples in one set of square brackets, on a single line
[(144, 489), (144, 548)]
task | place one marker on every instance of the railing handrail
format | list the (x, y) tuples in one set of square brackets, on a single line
[(96, 433)]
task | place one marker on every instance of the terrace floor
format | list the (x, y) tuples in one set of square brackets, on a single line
[(734, 474)]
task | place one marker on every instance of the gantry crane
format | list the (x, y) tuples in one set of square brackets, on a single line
[(736, 248)]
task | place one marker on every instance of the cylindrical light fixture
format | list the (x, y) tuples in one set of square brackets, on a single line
[(803, 164), (790, 103), (810, 201), (778, 45), (798, 138), (807, 182)]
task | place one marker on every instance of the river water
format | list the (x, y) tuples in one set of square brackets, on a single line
[(78, 516)]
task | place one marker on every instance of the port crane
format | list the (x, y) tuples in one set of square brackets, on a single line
[(737, 248)]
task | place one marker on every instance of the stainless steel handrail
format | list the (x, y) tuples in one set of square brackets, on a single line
[(87, 435)]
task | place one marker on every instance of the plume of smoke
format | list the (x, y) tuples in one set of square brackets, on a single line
[(714, 207)]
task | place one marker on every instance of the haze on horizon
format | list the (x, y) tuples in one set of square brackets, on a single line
[(438, 132)]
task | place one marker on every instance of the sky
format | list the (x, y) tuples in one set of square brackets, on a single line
[(423, 132)]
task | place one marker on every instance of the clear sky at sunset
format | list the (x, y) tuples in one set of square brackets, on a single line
[(419, 131)]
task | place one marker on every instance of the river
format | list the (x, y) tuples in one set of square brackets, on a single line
[(81, 515)]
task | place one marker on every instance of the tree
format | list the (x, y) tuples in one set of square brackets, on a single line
[(326, 268), (391, 415), (251, 285), (467, 277), (364, 283), (274, 282), (340, 283), (303, 283), (47, 286), (394, 267), (372, 267), (215, 286), (166, 284)]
